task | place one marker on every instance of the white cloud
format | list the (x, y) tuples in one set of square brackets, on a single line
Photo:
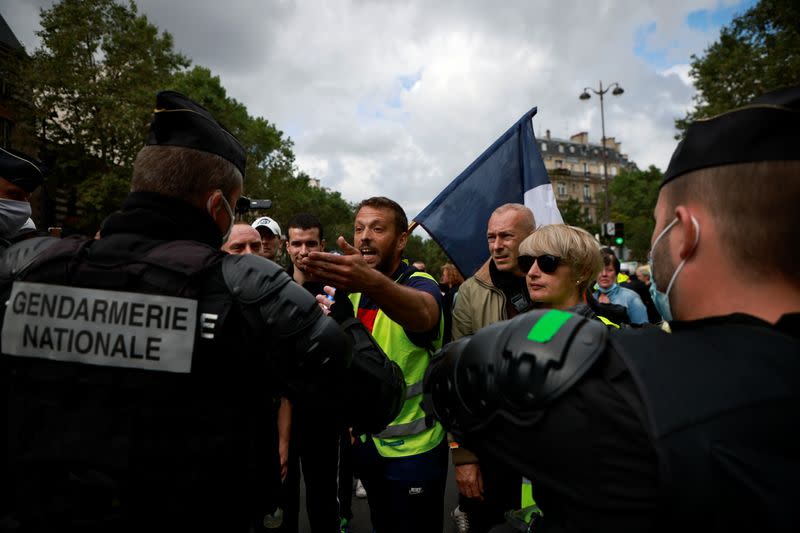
[(397, 97)]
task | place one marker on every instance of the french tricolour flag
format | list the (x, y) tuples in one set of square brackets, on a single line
[(510, 170)]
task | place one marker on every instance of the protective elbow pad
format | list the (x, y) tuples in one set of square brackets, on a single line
[(511, 369), (310, 351), (377, 387)]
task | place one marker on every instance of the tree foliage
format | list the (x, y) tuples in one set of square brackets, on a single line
[(427, 251), (635, 193), (574, 215), (271, 172), (759, 51), (92, 83)]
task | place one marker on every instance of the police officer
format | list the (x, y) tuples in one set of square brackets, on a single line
[(644, 430), (20, 175), (136, 364)]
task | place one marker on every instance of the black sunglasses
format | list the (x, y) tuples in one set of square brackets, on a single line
[(547, 263)]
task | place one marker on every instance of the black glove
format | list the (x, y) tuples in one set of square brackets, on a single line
[(342, 308)]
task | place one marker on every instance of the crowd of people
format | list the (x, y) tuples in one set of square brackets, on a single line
[(173, 374)]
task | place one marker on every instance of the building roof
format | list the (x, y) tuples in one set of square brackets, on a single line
[(7, 37), (589, 151)]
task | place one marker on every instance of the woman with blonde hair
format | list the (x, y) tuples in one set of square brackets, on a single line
[(561, 261)]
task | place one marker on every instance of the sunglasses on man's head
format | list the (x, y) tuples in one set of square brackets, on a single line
[(547, 263)]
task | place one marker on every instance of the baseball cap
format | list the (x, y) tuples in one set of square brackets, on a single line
[(266, 222)]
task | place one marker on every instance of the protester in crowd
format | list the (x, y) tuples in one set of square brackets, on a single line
[(141, 413), (319, 442), (561, 262), (644, 430), (271, 237), (497, 291), (274, 441), (643, 274), (642, 289), (404, 467), (607, 291), (244, 239), (449, 283), (419, 265)]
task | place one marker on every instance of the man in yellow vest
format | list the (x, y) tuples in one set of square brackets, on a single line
[(404, 467)]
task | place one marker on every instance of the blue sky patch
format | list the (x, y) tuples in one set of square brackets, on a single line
[(707, 21), (714, 19)]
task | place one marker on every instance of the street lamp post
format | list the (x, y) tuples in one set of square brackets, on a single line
[(585, 96)]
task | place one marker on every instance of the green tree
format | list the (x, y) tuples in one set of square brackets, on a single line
[(93, 80), (635, 193), (271, 172), (427, 251), (573, 214), (757, 52)]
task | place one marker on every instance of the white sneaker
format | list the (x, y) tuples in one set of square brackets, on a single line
[(461, 519), (361, 492)]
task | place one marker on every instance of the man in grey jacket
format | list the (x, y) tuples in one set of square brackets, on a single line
[(496, 292)]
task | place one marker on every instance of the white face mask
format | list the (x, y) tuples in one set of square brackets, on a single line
[(13, 214), (230, 216), (661, 299)]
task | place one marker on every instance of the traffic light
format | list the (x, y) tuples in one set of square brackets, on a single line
[(619, 233)]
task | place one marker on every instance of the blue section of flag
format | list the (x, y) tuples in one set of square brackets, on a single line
[(457, 217)]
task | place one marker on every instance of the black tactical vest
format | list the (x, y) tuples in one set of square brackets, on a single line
[(723, 404), (107, 448)]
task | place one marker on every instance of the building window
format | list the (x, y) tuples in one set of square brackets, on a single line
[(559, 163), (585, 168), (544, 147), (613, 170), (572, 149), (562, 189), (560, 148), (587, 193)]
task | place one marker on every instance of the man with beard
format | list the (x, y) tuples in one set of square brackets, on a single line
[(403, 467), (644, 430)]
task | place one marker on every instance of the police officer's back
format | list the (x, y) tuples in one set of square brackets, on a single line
[(138, 362), (642, 430)]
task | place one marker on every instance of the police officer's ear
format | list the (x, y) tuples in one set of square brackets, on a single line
[(687, 232)]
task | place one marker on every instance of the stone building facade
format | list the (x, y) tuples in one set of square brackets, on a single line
[(575, 168)]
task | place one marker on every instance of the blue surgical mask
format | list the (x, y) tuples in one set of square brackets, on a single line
[(605, 291), (661, 299)]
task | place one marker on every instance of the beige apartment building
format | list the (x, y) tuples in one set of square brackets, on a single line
[(575, 167)]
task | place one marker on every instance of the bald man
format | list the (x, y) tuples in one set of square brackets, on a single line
[(244, 239)]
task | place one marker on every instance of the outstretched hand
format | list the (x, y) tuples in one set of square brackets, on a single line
[(348, 271)]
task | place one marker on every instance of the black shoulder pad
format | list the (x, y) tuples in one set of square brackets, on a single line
[(251, 278), (512, 369), (18, 256)]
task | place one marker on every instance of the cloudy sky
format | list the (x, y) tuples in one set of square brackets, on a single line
[(396, 97)]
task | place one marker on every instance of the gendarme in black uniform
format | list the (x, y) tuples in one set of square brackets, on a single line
[(137, 364), (639, 429)]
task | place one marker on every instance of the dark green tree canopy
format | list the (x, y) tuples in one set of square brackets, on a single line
[(759, 51), (635, 193)]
